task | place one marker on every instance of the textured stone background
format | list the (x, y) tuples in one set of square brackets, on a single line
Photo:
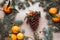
[(42, 23)]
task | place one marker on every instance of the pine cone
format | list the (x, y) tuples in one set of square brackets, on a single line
[(34, 22)]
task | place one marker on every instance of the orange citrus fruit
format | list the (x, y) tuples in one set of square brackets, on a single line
[(20, 36), (7, 9), (15, 29), (53, 10), (13, 37), (55, 19)]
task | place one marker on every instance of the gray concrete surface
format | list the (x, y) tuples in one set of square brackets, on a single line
[(56, 36), (43, 22)]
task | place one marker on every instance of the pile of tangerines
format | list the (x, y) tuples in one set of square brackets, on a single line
[(16, 35), (54, 11)]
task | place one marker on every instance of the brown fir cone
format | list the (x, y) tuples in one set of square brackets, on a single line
[(34, 23), (33, 20)]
